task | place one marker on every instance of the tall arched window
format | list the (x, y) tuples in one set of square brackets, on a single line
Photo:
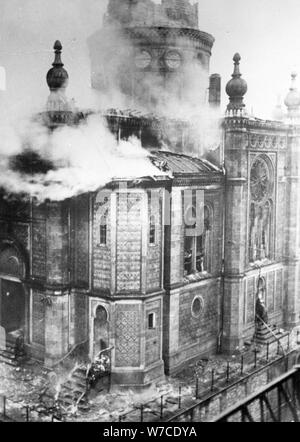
[(190, 242), (101, 330), (261, 210), (204, 243), (103, 228), (197, 247)]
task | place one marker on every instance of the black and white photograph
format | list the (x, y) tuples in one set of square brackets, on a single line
[(149, 214)]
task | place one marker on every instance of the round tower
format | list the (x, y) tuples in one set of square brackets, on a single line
[(153, 53)]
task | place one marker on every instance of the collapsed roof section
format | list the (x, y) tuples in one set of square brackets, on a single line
[(168, 141)]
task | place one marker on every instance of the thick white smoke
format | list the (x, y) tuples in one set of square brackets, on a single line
[(88, 156), (85, 158)]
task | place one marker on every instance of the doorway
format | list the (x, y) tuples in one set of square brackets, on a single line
[(12, 305), (101, 336)]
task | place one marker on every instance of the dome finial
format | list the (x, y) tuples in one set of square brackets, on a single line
[(292, 100), (57, 80), (57, 77), (237, 87)]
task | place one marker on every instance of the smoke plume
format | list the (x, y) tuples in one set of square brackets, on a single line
[(73, 160)]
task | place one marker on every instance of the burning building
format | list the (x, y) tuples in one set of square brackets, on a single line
[(163, 264)]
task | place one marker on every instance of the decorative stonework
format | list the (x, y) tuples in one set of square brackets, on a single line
[(94, 306), (39, 249), (127, 336), (260, 180), (197, 306), (38, 319), (198, 38), (261, 209), (129, 242), (12, 262), (102, 265), (261, 141), (81, 240), (21, 233), (154, 250)]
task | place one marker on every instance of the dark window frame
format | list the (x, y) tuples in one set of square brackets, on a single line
[(103, 229)]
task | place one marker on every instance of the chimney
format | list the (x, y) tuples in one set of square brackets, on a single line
[(214, 90)]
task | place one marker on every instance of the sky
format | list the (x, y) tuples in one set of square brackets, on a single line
[(265, 32)]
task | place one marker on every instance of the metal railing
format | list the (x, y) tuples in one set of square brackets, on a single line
[(156, 407), (221, 385), (172, 405), (236, 371), (278, 401)]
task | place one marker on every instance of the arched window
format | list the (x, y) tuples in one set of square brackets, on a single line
[(204, 243), (197, 247), (101, 335), (103, 228), (261, 209), (11, 262), (190, 241)]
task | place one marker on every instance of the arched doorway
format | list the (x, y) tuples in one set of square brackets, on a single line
[(12, 293), (101, 337)]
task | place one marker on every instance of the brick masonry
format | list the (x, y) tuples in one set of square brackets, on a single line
[(242, 147), (101, 253), (153, 343), (38, 319), (129, 242), (128, 336), (67, 266)]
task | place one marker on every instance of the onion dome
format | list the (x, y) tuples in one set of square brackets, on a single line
[(292, 100), (57, 77), (237, 87)]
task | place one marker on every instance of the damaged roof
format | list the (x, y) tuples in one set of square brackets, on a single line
[(179, 164)]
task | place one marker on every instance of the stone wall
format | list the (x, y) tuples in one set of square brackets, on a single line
[(80, 240), (188, 336), (128, 329), (57, 337), (154, 251), (248, 143), (101, 252), (153, 336), (78, 317), (198, 329), (129, 242), (58, 259), (38, 318)]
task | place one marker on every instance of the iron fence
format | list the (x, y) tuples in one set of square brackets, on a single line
[(277, 402), (174, 403)]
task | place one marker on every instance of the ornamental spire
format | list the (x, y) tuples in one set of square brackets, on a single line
[(57, 80), (57, 77), (236, 88)]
